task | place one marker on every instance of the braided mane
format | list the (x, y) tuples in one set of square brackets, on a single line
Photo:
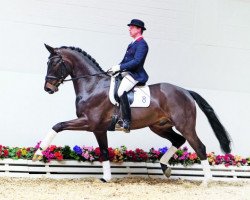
[(85, 54)]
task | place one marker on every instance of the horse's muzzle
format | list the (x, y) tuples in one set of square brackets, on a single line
[(48, 87)]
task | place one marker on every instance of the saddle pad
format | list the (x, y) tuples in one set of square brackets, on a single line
[(141, 95)]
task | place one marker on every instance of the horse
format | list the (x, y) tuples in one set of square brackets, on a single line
[(171, 108)]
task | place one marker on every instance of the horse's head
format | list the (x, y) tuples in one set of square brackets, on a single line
[(57, 70)]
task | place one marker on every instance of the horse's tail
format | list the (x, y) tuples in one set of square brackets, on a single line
[(220, 132)]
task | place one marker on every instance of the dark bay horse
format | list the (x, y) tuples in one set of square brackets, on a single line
[(170, 105)]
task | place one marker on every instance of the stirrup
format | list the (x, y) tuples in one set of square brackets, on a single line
[(126, 126), (120, 126)]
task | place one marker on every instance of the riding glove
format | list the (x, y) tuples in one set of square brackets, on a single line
[(114, 69)]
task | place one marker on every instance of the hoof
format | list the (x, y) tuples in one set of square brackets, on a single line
[(37, 157), (166, 170), (103, 180), (127, 130)]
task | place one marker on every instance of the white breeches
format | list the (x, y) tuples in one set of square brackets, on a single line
[(127, 84)]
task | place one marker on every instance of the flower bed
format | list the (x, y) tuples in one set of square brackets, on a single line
[(121, 154)]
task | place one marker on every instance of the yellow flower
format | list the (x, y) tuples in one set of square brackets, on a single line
[(237, 158), (24, 152), (117, 151), (210, 160)]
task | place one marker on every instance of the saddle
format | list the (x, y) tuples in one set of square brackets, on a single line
[(139, 96)]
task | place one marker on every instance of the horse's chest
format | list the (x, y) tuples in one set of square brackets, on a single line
[(82, 107), (80, 104)]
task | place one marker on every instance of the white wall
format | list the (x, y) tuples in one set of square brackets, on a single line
[(199, 45)]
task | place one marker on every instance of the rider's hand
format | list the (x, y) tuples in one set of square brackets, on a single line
[(114, 69)]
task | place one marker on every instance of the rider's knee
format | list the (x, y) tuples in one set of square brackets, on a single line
[(120, 92)]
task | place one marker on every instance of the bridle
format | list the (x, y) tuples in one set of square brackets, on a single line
[(63, 73), (62, 68)]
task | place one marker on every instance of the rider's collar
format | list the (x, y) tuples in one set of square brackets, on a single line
[(138, 38)]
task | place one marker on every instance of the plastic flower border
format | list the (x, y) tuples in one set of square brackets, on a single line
[(121, 154)]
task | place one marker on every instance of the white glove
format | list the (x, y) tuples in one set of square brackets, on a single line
[(114, 69)]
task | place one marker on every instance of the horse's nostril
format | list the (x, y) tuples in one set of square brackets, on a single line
[(50, 92), (50, 88), (46, 89)]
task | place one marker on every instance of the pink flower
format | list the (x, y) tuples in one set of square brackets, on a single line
[(244, 161), (193, 156), (227, 165), (47, 154), (86, 155), (38, 145), (91, 158), (88, 148)]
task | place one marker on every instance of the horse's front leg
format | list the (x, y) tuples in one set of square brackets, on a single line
[(75, 124), (102, 139)]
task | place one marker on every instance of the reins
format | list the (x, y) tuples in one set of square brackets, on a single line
[(61, 80), (86, 76)]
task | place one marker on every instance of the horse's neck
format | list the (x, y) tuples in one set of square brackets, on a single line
[(91, 80), (91, 86), (82, 69), (90, 83)]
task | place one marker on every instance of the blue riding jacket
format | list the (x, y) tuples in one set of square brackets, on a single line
[(134, 59)]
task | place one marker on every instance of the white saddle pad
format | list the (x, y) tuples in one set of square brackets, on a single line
[(141, 95)]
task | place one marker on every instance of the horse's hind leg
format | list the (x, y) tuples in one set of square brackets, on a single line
[(199, 148), (176, 140)]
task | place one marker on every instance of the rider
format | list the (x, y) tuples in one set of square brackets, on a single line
[(132, 68)]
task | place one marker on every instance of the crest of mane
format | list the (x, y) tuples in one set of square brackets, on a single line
[(85, 55)]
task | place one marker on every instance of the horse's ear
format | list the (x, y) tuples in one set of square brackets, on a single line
[(50, 49)]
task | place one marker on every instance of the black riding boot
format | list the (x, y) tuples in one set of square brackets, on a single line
[(126, 112)]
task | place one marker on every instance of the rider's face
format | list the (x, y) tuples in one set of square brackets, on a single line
[(134, 31)]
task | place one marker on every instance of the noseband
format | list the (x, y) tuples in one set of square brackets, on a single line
[(62, 69)]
